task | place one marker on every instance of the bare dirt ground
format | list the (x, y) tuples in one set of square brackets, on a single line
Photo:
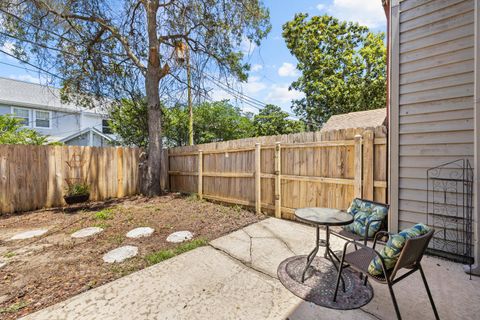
[(45, 270)]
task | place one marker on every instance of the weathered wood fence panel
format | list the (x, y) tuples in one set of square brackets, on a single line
[(281, 173), (33, 177)]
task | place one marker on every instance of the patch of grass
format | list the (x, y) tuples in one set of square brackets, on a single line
[(10, 254), (14, 307), (102, 225), (105, 214), (116, 239), (124, 270), (159, 256)]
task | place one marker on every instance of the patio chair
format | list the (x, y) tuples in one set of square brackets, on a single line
[(355, 209), (409, 258)]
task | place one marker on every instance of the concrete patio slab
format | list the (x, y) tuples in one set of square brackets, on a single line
[(235, 278)]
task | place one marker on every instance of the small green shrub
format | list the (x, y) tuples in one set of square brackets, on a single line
[(159, 256), (105, 214), (14, 307), (10, 254), (77, 189)]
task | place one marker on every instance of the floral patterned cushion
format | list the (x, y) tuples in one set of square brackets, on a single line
[(363, 212), (393, 248)]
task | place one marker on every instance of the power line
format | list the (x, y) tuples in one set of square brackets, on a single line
[(32, 65), (110, 55)]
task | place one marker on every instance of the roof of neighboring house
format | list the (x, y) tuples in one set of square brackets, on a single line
[(86, 130), (34, 95), (360, 119)]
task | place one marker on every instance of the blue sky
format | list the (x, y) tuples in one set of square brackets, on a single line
[(273, 67)]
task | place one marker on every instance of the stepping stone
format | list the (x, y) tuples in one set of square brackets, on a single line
[(179, 236), (29, 234), (120, 254), (140, 232), (86, 232)]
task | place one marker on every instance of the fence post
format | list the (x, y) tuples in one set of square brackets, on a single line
[(368, 160), (278, 181), (120, 193), (258, 181), (358, 167), (200, 174)]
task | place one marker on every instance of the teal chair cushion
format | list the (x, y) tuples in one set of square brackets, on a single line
[(393, 248), (363, 212)]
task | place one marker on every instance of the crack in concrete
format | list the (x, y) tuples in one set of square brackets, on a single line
[(246, 264), (250, 237), (370, 313)]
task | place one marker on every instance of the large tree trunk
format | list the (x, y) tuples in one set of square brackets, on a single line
[(151, 185)]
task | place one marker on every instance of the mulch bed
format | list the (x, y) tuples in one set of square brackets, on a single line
[(45, 270)]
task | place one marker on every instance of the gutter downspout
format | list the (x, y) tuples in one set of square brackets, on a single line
[(476, 186)]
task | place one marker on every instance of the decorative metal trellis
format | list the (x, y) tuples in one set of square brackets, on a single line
[(450, 210)]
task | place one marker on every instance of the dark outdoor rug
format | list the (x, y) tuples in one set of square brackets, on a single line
[(320, 281)]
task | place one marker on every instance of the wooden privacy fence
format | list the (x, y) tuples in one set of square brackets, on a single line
[(33, 177), (282, 173)]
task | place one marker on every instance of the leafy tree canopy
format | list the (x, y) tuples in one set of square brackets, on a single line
[(12, 131), (343, 66), (114, 49), (271, 120), (213, 121)]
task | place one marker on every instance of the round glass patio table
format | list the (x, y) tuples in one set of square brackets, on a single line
[(323, 217)]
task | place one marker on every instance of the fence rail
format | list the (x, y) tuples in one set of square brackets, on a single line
[(33, 177), (282, 173)]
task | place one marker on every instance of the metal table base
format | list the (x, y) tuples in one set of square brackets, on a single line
[(329, 253)]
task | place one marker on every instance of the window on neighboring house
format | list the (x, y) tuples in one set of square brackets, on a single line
[(23, 114), (106, 127), (42, 119)]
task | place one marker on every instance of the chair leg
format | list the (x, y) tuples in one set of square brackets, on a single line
[(395, 305), (365, 280), (428, 292)]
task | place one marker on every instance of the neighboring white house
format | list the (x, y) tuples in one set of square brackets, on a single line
[(41, 109)]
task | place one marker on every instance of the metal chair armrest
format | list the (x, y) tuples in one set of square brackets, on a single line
[(377, 254), (368, 227)]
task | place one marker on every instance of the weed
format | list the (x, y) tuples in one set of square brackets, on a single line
[(116, 239), (124, 270), (102, 225), (159, 256), (192, 197), (105, 214), (14, 307), (10, 254)]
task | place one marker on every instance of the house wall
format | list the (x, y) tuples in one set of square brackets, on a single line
[(432, 87), (62, 123), (66, 119)]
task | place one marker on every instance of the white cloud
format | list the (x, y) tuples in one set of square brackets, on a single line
[(8, 47), (254, 85), (287, 70), (320, 7), (366, 12), (26, 78), (280, 94), (247, 46), (256, 67)]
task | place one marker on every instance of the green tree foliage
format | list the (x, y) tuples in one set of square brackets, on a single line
[(271, 120), (129, 121), (13, 132), (343, 66), (213, 121), (220, 121), (111, 49)]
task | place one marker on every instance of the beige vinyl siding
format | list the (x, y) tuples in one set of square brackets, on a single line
[(436, 86)]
